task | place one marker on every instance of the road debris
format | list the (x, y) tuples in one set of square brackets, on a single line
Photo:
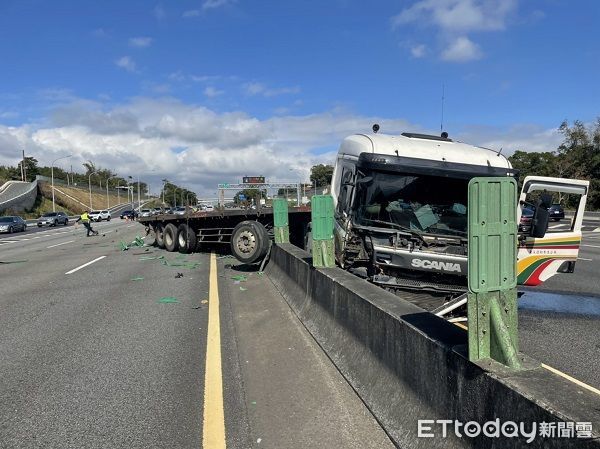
[(168, 300), (137, 278), (178, 275)]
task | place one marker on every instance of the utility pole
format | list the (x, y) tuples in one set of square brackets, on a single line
[(23, 167)]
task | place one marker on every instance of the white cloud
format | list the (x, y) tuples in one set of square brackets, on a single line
[(159, 12), (8, 114), (524, 137), (260, 89), (459, 15), (418, 51), (100, 33), (461, 49), (140, 42), (126, 63), (141, 136), (212, 92), (191, 13), (455, 19), (214, 4)]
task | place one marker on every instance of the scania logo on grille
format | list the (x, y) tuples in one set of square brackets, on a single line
[(435, 265)]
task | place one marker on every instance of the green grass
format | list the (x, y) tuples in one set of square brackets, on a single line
[(42, 205)]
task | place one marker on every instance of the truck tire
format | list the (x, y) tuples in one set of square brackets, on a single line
[(249, 241), (187, 239), (170, 237), (159, 236)]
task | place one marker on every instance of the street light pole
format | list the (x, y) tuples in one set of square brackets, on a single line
[(52, 171), (90, 187), (139, 202), (107, 198), (118, 191)]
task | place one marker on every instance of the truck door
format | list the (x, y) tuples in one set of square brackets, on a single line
[(539, 258), (342, 210)]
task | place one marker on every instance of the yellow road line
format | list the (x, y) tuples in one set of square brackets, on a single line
[(555, 371), (572, 379), (213, 434)]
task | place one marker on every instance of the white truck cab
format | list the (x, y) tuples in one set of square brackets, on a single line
[(401, 213)]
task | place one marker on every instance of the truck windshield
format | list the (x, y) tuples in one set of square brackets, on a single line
[(420, 203)]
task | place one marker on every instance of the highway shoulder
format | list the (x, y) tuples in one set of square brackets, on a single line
[(293, 396)]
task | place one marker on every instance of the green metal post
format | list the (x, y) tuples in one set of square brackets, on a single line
[(322, 231), (280, 221), (492, 279)]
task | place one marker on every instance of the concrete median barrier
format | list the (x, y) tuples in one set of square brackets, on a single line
[(409, 365)]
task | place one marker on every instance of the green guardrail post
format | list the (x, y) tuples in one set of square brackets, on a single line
[(322, 231), (280, 221), (492, 278)]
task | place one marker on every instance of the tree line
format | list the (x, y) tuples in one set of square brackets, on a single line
[(578, 157), (99, 176)]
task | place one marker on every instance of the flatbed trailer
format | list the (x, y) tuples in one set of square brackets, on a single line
[(246, 231)]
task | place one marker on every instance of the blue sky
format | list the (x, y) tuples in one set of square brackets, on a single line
[(201, 90)]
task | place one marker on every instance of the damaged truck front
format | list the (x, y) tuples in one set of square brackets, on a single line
[(401, 214)]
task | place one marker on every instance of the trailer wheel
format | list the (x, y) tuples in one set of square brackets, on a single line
[(249, 241), (186, 239), (159, 236), (170, 237)]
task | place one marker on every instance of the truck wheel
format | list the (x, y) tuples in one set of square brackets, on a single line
[(170, 237), (159, 236), (187, 239), (249, 241)]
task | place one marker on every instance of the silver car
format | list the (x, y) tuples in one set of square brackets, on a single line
[(12, 224), (145, 213), (53, 219)]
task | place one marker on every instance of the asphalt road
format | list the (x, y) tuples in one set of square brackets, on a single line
[(93, 358)]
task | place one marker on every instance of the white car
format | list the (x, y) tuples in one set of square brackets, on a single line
[(210, 208), (145, 213), (99, 215)]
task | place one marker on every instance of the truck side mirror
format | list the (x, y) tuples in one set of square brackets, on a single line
[(539, 221)]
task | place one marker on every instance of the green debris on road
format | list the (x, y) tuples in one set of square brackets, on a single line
[(138, 242), (168, 300), (243, 289), (175, 263), (137, 278), (240, 277)]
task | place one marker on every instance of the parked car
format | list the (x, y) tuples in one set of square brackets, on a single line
[(12, 224), (556, 212), (526, 218), (53, 219), (99, 215), (131, 214), (145, 213)]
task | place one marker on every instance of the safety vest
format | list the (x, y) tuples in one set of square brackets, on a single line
[(85, 217)]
